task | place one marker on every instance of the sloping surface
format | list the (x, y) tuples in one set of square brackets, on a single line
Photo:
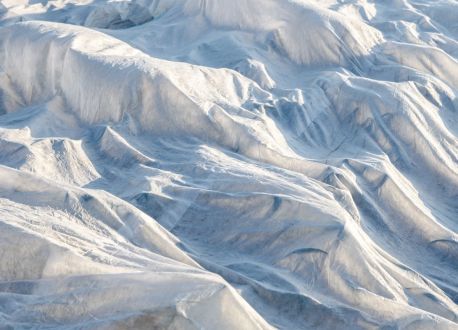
[(228, 164)]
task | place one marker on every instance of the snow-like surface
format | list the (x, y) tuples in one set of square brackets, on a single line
[(229, 164)]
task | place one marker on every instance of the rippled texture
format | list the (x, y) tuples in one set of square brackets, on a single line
[(228, 164)]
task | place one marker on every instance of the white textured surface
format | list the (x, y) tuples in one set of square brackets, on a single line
[(228, 164)]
